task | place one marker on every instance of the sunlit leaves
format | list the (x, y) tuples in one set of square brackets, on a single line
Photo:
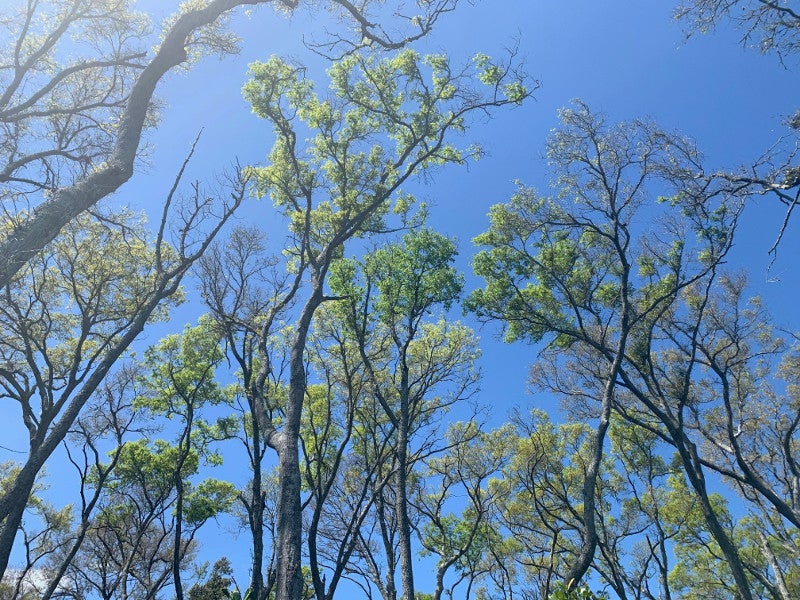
[(182, 371), (149, 468), (563, 267), (415, 275), (338, 160), (208, 499), (66, 308), (539, 493)]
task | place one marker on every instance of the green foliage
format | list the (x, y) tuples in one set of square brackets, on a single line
[(583, 592), (384, 119), (179, 381), (151, 466), (180, 371), (402, 282), (218, 584), (69, 309), (208, 499), (523, 287), (397, 287), (236, 595), (556, 267), (155, 504), (414, 275), (322, 428), (698, 572), (392, 369)]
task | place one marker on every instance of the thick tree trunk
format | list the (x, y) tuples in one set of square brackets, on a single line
[(256, 510), (176, 551), (589, 535), (12, 522), (772, 561), (289, 582), (404, 533), (401, 496), (47, 219)]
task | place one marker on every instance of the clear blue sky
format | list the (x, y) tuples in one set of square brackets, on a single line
[(628, 59)]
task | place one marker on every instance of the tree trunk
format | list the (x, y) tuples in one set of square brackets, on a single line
[(15, 499), (772, 561), (589, 539), (176, 551), (11, 524), (401, 496), (404, 531), (256, 510), (289, 581), (694, 472)]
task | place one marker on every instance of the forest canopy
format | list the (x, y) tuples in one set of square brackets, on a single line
[(399, 299)]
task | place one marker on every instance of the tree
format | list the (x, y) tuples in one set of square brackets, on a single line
[(415, 369), (346, 443), (463, 473), (342, 483), (770, 26), (128, 547), (745, 430), (244, 294), (384, 122), (637, 540), (727, 350), (67, 318), (540, 497), (408, 280), (218, 584), (574, 271), (180, 382), (71, 132), (110, 417), (749, 430), (131, 547)]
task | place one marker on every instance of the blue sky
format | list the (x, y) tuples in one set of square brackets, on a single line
[(627, 59)]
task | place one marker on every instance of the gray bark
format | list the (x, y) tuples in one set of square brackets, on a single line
[(401, 494), (47, 219), (289, 581), (772, 561)]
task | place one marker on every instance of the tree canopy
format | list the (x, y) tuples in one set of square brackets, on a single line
[(285, 359)]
